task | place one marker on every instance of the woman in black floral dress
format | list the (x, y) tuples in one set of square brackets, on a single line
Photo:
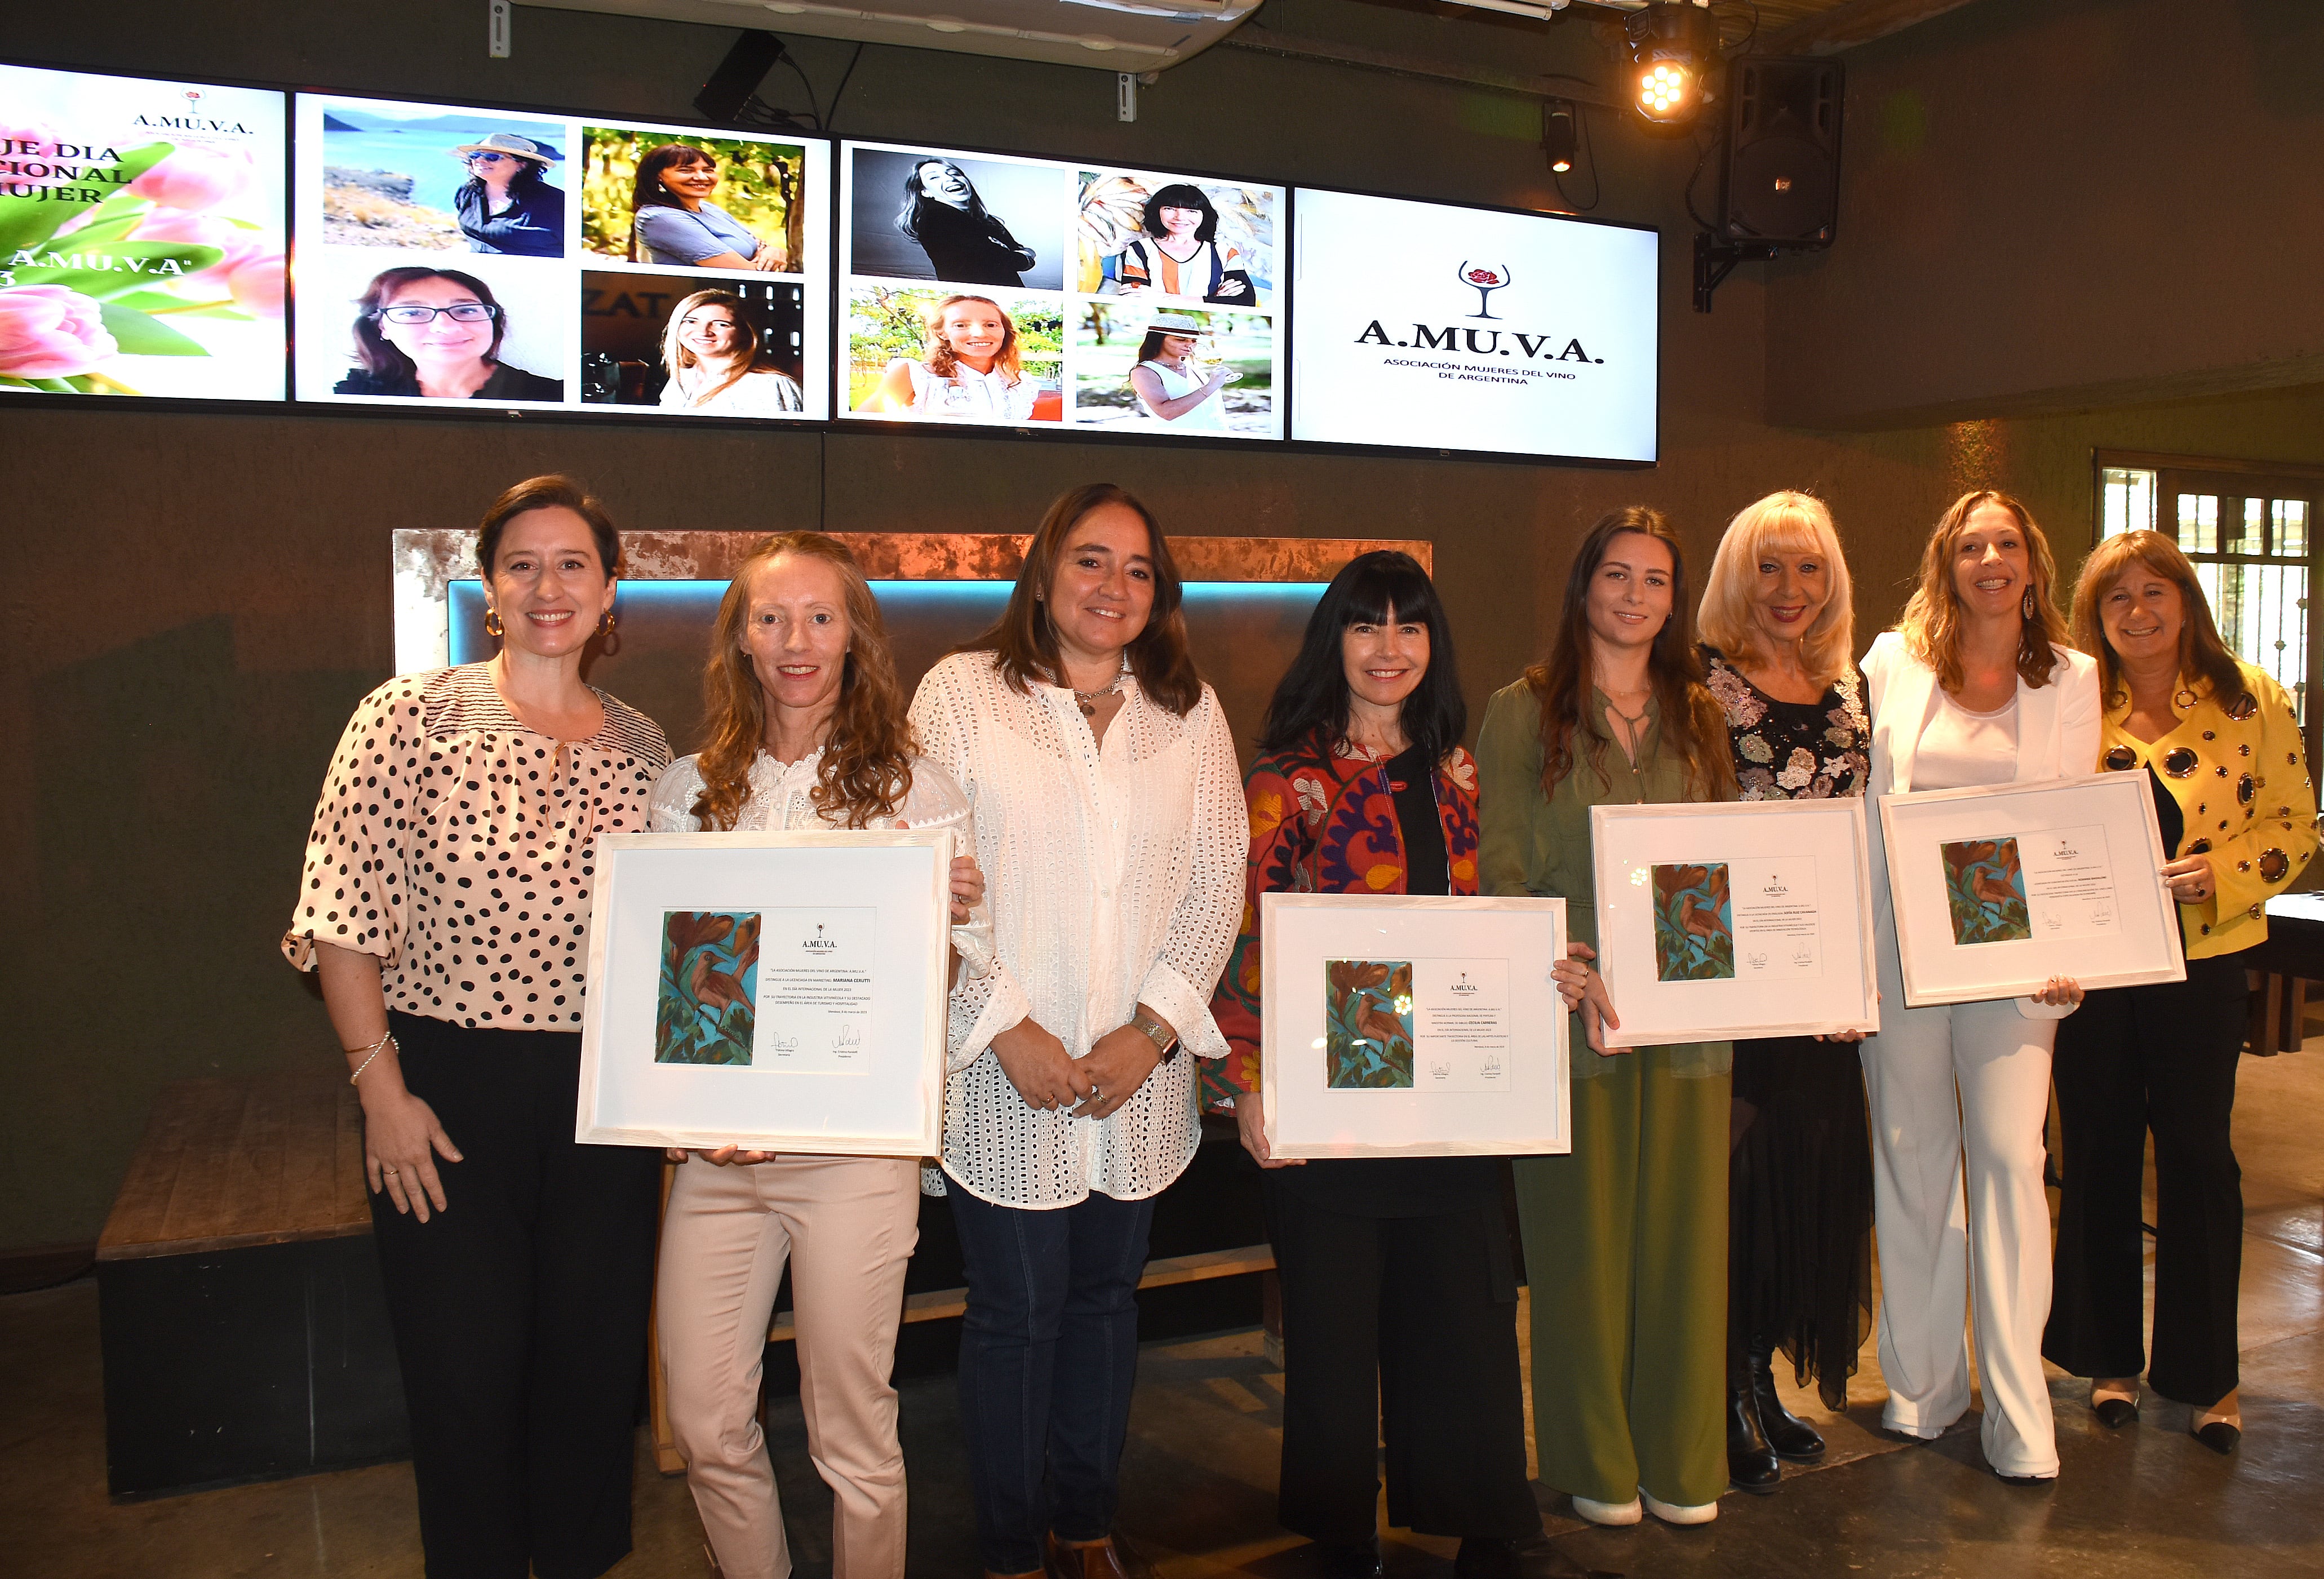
[(1779, 627)]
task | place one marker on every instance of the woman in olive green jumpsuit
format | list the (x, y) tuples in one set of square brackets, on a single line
[(1625, 1237)]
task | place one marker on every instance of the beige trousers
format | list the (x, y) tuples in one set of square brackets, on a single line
[(847, 1226)]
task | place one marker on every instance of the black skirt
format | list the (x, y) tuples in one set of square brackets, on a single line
[(1800, 1208)]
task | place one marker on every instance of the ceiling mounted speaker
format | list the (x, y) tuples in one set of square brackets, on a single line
[(1782, 176)]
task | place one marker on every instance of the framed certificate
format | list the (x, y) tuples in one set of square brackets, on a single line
[(1416, 1025), (1732, 920), (782, 991), (1998, 888)]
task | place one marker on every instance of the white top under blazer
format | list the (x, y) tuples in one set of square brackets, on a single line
[(1115, 873), (2058, 727)]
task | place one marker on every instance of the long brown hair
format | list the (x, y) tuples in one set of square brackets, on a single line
[(1692, 723), (867, 760), (2201, 655), (1931, 624), (1024, 642)]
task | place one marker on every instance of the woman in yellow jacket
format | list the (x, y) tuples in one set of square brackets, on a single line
[(2219, 743)]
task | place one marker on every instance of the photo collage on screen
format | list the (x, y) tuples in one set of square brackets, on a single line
[(142, 237), (985, 289), (532, 260)]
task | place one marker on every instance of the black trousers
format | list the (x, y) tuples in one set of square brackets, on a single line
[(520, 1310), (2133, 1060), (1402, 1327)]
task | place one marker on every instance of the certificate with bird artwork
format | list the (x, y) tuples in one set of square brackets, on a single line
[(1718, 921)]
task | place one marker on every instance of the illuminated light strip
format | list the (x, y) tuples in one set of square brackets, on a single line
[(1097, 42)]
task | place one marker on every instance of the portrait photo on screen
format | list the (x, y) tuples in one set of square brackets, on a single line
[(432, 325), (1163, 368), (730, 347), (422, 177), (691, 200), (1432, 325), (144, 235), (956, 219), (1188, 238), (934, 356)]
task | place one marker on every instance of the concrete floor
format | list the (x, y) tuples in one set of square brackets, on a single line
[(1199, 1472)]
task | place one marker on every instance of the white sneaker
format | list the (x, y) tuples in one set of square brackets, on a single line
[(1672, 1513), (1611, 1514)]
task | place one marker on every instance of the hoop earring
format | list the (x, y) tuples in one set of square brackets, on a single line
[(493, 626), (607, 628)]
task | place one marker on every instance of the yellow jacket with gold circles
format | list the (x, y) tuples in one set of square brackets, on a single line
[(2243, 789)]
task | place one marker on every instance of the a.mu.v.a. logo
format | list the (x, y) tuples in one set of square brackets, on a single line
[(819, 943), (1464, 987), (190, 119), (1519, 344)]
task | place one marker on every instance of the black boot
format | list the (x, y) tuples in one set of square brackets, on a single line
[(1784, 1431), (1751, 1465)]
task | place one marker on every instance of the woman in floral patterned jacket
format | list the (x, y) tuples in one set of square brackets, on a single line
[(1397, 1268)]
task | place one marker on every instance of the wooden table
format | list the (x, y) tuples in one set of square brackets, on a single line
[(243, 1328), (2291, 957)]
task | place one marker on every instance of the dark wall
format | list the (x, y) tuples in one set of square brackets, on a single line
[(194, 602), (2051, 207)]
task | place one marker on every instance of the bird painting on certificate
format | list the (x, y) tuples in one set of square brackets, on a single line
[(1695, 925), (706, 1010)]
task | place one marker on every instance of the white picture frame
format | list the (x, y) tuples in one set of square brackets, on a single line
[(1484, 1066), (842, 1047), (2081, 858), (1725, 920)]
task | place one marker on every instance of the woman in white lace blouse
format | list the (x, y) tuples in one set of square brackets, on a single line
[(1109, 819), (807, 730)]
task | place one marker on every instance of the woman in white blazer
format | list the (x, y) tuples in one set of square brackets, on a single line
[(1976, 685)]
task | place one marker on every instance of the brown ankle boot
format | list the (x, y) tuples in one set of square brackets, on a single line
[(1084, 1559)]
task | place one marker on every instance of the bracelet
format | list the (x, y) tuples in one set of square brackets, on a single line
[(1152, 1030), (372, 1052)]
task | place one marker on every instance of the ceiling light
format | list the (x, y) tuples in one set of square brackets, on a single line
[(1674, 54)]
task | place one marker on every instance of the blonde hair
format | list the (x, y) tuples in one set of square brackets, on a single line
[(1782, 523), (1931, 622), (945, 361)]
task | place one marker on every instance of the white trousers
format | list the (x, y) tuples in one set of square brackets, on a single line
[(846, 1225), (1959, 1095)]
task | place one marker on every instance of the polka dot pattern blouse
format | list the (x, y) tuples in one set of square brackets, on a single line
[(457, 847)]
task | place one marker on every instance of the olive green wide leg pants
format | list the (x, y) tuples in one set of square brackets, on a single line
[(1626, 1259)]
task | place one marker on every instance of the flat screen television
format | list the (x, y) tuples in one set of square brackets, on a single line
[(141, 236), (525, 259), (1430, 326), (986, 288)]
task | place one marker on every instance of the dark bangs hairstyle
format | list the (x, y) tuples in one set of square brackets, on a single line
[(1179, 195), (1310, 705), (1692, 723), (646, 189), (384, 360), (553, 491), (1024, 644), (2202, 655)]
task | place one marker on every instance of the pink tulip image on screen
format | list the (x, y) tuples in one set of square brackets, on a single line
[(144, 242)]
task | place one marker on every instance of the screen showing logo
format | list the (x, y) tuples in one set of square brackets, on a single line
[(1472, 328)]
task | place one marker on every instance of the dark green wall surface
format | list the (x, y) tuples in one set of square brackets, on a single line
[(194, 602)]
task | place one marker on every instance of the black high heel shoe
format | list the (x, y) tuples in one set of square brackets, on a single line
[(2221, 1437), (1790, 1436)]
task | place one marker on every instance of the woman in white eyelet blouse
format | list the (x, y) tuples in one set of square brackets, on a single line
[(1111, 826)]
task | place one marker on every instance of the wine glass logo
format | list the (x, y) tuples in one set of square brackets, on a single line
[(193, 98), (1484, 280)]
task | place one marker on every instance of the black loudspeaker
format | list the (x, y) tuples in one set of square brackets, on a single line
[(738, 76), (1782, 178)]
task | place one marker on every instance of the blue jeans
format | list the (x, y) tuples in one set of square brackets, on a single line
[(1048, 1352)]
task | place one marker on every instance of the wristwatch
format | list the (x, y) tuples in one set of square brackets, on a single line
[(1155, 1031)]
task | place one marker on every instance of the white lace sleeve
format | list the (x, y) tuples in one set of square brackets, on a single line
[(1179, 984), (671, 808), (937, 801)]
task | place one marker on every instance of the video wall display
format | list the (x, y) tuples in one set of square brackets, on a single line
[(1428, 326), (451, 254), (142, 237), (985, 289)]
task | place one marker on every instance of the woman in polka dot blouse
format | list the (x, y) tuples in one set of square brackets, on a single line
[(445, 902)]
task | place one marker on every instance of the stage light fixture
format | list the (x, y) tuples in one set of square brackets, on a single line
[(1674, 57), (1560, 138)]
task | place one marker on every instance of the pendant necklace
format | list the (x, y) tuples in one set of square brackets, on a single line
[(1087, 700)]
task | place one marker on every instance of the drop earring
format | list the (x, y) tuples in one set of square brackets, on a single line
[(493, 626), (2029, 603)]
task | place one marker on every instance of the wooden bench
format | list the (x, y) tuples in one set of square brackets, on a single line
[(2282, 968), (243, 1328)]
